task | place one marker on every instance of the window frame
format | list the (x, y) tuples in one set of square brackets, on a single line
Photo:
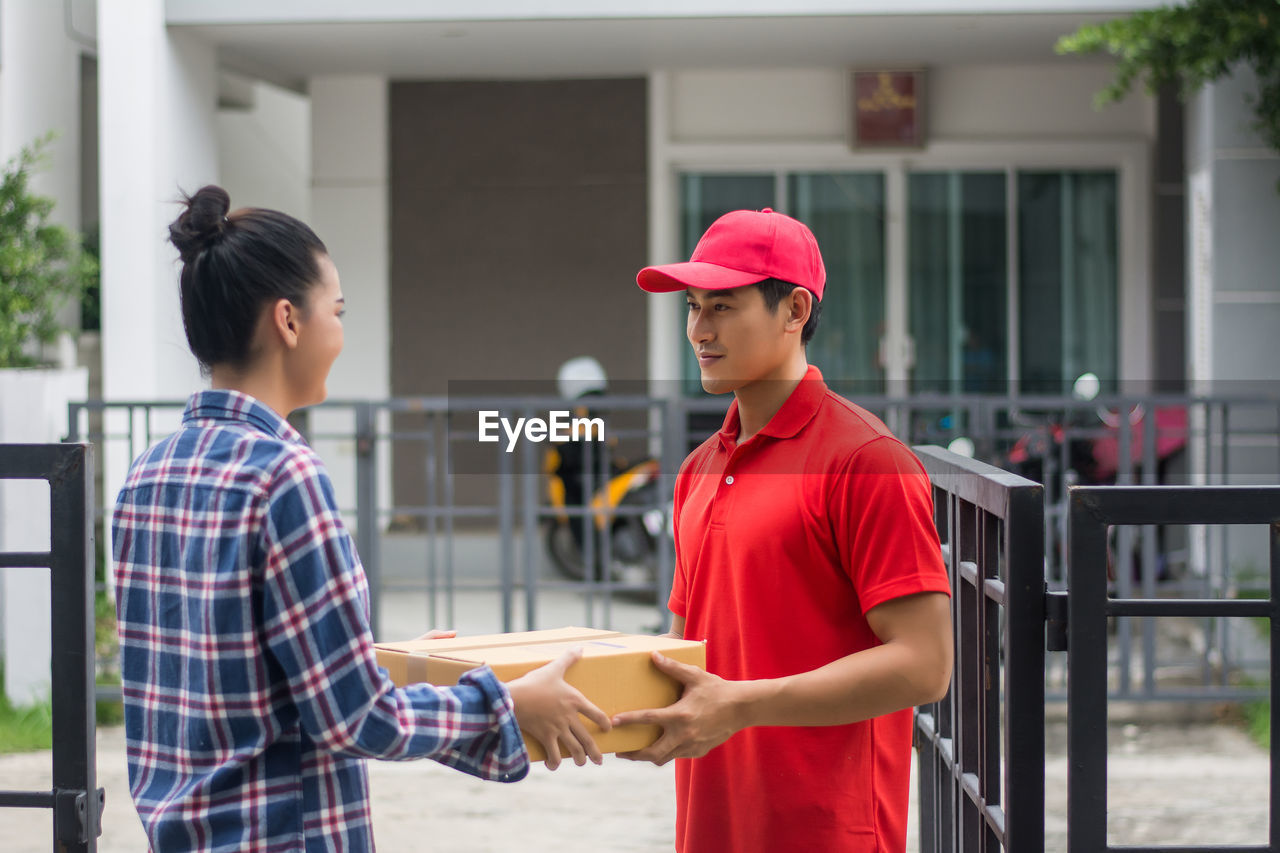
[(1129, 158)]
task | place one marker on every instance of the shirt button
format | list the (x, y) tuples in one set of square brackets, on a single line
[(728, 481)]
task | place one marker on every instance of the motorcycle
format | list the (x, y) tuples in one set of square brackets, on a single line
[(624, 512), (1091, 439)]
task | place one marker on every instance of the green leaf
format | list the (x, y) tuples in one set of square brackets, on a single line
[(42, 264)]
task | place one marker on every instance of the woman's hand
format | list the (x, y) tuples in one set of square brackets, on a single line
[(435, 634), (548, 708)]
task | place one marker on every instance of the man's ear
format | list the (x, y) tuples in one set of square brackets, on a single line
[(800, 306), (284, 321)]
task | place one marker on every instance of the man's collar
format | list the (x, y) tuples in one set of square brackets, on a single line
[(800, 407)]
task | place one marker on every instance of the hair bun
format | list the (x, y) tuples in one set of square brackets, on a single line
[(202, 223)]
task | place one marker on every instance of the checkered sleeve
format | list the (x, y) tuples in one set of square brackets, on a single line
[(316, 628)]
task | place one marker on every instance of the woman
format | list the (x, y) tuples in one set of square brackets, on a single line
[(251, 692)]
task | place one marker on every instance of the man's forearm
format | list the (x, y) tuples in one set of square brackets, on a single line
[(867, 684)]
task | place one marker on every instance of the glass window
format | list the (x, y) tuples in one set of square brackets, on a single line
[(1067, 268), (957, 239), (845, 211), (958, 276), (703, 200)]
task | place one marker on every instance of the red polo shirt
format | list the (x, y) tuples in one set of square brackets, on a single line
[(783, 543)]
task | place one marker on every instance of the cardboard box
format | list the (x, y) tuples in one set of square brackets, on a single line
[(615, 671)]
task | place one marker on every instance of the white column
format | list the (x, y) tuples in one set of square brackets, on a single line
[(1234, 305), (157, 101), (350, 213), (40, 92), (157, 98), (666, 334)]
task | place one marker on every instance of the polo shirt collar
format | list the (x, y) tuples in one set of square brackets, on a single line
[(795, 413), (227, 405)]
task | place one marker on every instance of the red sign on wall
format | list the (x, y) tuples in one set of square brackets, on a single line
[(888, 109)]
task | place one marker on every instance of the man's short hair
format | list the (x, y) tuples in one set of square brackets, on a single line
[(775, 290)]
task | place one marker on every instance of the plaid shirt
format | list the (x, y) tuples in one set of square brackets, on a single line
[(251, 691)]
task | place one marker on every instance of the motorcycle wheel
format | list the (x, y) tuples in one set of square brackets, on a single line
[(634, 555), (563, 549)]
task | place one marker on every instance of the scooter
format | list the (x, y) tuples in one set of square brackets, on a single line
[(623, 515), (625, 511), (1091, 438)]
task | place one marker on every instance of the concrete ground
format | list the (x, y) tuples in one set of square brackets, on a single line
[(1170, 782)]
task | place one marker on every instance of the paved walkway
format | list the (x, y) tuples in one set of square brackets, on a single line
[(1170, 784)]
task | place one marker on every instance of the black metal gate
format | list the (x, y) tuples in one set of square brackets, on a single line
[(981, 759), (981, 750), (1091, 511), (75, 799)]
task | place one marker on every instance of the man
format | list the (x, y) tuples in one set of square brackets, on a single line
[(808, 562)]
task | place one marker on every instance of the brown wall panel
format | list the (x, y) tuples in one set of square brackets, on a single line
[(518, 221)]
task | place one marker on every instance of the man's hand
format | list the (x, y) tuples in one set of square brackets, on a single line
[(707, 714), (547, 709)]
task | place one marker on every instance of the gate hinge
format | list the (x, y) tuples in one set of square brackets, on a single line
[(1055, 620), (74, 821)]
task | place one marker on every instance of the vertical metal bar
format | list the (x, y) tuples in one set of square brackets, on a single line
[(1124, 553), (1215, 582), (367, 510), (1275, 685), (1086, 677), (672, 443), (1024, 650), (589, 560), (947, 708), (432, 487), (1224, 635), (506, 513), (450, 575), (73, 421), (989, 612), (529, 525), (969, 661), (927, 800), (71, 580), (1149, 556), (606, 534)]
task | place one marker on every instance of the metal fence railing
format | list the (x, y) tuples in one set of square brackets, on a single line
[(980, 750), (413, 477), (75, 798)]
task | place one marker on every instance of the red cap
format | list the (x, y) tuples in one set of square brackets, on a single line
[(744, 247)]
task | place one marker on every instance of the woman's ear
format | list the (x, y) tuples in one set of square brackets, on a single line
[(284, 322), (800, 302)]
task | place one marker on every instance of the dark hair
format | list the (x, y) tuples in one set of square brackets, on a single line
[(774, 290), (232, 266)]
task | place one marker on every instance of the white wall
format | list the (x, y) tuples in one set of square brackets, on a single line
[(157, 99), (349, 212), (264, 150), (1233, 214), (965, 103)]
